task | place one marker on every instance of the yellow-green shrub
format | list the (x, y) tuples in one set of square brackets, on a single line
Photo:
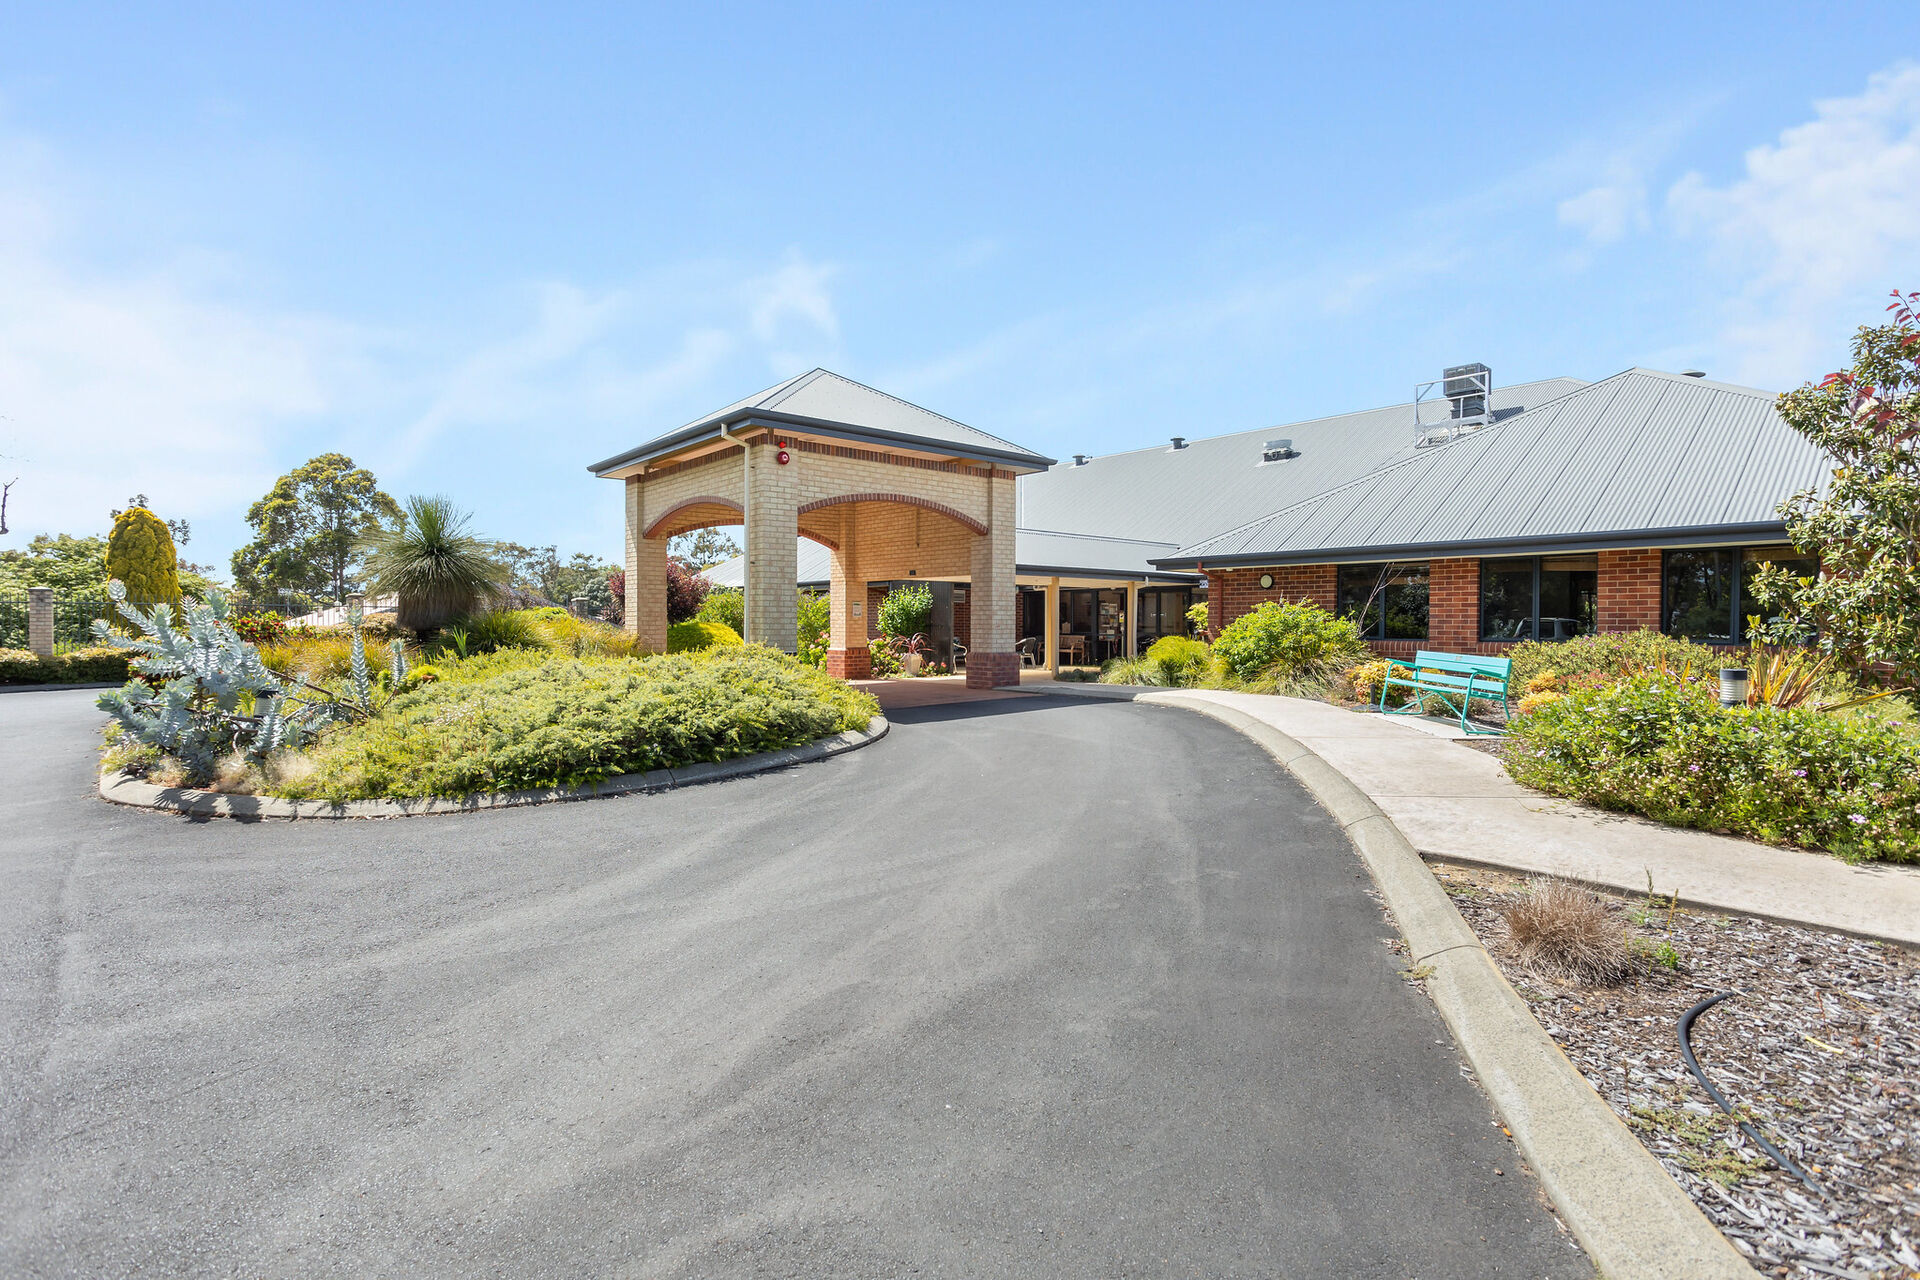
[(696, 634), (140, 554), (520, 720)]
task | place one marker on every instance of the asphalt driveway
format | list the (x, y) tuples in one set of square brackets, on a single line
[(1034, 987)]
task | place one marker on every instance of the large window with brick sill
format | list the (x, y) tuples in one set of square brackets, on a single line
[(1385, 601), (1544, 597), (1706, 594)]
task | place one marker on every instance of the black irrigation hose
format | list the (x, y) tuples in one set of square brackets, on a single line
[(1693, 1065)]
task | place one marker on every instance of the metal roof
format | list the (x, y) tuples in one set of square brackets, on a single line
[(1643, 458), (824, 403), (1184, 495)]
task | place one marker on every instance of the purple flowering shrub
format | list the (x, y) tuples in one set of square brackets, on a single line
[(1663, 747)]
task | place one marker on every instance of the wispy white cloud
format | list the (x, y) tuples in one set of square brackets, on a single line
[(792, 313), (1606, 213), (177, 378), (1819, 223)]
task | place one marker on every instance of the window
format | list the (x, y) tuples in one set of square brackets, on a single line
[(1548, 597), (1386, 601), (1704, 599)]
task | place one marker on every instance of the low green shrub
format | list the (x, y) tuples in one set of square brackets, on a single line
[(1172, 662), (813, 622), (95, 665), (1183, 661), (498, 629), (1663, 747), (518, 720), (561, 632), (726, 606), (696, 634), (319, 656), (1277, 643), (883, 659), (1613, 655)]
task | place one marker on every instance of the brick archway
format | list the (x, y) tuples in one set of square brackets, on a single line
[(700, 512), (904, 499)]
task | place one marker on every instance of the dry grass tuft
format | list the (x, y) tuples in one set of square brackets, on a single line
[(1564, 931)]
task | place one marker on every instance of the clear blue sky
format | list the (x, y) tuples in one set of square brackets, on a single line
[(478, 248)]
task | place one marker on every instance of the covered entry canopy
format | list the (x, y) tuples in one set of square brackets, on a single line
[(891, 490)]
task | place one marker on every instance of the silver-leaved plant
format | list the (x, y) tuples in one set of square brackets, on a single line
[(218, 698)]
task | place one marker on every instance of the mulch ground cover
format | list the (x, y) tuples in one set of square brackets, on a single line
[(1820, 1051)]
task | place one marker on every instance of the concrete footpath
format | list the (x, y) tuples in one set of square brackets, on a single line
[(1456, 804)]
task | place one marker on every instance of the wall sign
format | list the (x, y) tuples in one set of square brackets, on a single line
[(1266, 582)]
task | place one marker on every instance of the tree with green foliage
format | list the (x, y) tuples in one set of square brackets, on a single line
[(140, 556), (701, 549), (540, 572), (433, 564), (71, 566), (1864, 605), (310, 530)]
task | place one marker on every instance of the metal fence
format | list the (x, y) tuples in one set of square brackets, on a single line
[(73, 615)]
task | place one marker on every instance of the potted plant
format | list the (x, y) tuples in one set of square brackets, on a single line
[(913, 656)]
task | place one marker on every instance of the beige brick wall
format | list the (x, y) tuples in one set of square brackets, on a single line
[(886, 516)]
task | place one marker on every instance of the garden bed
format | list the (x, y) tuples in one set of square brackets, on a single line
[(1821, 1050)]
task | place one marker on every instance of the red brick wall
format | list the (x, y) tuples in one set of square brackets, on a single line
[(1629, 599), (1232, 592), (1629, 590)]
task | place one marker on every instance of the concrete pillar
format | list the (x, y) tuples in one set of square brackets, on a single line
[(848, 656), (773, 524), (1132, 621), (993, 596), (40, 620), (1053, 626), (577, 606)]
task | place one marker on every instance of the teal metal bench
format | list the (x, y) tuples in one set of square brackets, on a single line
[(1454, 678)]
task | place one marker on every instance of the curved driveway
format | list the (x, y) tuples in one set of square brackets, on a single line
[(1033, 987)]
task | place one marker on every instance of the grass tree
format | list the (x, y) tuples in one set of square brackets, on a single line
[(436, 567)]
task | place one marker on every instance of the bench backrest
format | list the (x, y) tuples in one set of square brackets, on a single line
[(1465, 664)]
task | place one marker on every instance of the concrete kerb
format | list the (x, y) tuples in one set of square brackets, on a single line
[(1629, 1215), (121, 789)]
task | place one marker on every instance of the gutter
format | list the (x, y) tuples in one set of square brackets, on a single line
[(1617, 540), (817, 426)]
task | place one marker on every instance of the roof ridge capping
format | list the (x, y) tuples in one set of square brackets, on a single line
[(1485, 435), (1194, 441)]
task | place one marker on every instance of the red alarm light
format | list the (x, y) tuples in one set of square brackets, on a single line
[(783, 457)]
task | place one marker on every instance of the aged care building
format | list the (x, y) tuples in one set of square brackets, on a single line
[(1471, 518)]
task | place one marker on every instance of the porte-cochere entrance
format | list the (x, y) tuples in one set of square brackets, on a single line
[(890, 489)]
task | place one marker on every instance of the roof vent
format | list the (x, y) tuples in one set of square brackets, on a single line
[(1179, 442), (1693, 373), (1277, 451), (1079, 459)]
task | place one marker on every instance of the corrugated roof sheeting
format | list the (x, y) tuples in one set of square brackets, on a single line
[(1219, 482), (827, 395), (1640, 450)]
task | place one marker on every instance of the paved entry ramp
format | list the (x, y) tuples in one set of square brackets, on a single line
[(1033, 987)]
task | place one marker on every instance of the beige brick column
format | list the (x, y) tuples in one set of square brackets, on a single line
[(992, 660), (40, 620), (646, 604), (773, 523), (848, 656)]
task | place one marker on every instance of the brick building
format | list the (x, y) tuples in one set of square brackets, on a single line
[(1467, 520)]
